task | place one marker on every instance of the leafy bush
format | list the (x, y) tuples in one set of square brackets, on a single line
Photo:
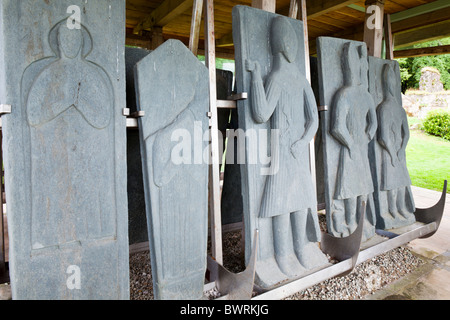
[(438, 123)]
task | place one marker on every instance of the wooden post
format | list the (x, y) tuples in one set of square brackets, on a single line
[(293, 9), (157, 37), (373, 27), (197, 10), (388, 37), (214, 187), (306, 37), (312, 147), (267, 5)]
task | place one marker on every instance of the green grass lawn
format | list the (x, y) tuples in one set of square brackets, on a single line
[(428, 159)]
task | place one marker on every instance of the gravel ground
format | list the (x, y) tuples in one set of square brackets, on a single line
[(367, 278)]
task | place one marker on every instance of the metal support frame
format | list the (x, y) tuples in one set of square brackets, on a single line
[(347, 247), (132, 117), (427, 224), (5, 109), (236, 286)]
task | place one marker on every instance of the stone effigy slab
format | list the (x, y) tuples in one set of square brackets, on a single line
[(62, 71), (347, 129), (278, 121), (172, 87), (393, 196)]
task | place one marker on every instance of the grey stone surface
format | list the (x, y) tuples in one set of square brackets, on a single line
[(172, 89), (137, 221), (64, 148), (430, 80), (279, 197), (347, 129), (393, 196)]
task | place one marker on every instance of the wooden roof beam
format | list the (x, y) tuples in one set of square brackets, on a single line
[(428, 33), (314, 9), (421, 52), (407, 23), (317, 8), (162, 15), (424, 19), (420, 10)]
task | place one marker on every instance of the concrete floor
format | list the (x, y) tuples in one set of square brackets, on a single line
[(432, 280)]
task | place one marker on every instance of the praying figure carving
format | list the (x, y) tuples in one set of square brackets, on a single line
[(69, 107), (353, 125), (286, 101), (393, 136)]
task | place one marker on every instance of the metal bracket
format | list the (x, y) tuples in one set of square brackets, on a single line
[(137, 114), (432, 214), (236, 286), (126, 112), (348, 247), (132, 117), (238, 96), (5, 109), (322, 108)]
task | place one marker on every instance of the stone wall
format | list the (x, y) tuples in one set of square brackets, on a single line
[(430, 96)]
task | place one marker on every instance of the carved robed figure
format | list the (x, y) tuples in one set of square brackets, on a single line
[(65, 148), (69, 103), (282, 101), (172, 89), (347, 130), (393, 184)]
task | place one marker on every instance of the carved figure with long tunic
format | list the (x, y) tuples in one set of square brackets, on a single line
[(286, 101), (354, 124), (393, 136), (69, 110)]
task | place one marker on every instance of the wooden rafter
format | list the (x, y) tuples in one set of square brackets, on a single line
[(162, 15), (317, 8), (418, 21), (314, 9), (406, 28), (428, 33), (421, 52)]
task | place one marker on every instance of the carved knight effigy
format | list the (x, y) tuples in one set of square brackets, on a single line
[(172, 89), (392, 182), (66, 147), (347, 127), (279, 201)]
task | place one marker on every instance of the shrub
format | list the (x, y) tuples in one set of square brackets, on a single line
[(437, 123)]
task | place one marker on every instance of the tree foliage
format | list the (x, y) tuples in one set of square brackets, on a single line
[(410, 68)]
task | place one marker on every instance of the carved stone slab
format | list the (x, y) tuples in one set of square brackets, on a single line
[(172, 88), (65, 147), (347, 129), (278, 120), (393, 196)]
